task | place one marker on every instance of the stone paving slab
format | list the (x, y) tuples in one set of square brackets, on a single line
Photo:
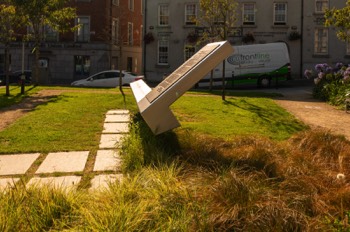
[(7, 183), (64, 162), (118, 112), (117, 118), (110, 141), (65, 182), (16, 164), (107, 160), (116, 128), (102, 182)]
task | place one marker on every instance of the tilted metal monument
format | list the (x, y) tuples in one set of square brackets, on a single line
[(154, 103)]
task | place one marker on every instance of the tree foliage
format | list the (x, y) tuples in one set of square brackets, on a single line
[(340, 19), (39, 14), (9, 21), (218, 17)]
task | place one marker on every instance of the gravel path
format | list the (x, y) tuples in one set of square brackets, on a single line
[(299, 102)]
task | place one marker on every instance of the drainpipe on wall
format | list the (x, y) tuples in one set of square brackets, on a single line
[(143, 41), (302, 38)]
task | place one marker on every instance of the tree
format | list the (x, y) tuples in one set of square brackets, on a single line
[(9, 21), (218, 17), (340, 19), (45, 13), (118, 35)]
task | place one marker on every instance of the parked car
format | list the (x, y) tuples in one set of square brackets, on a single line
[(15, 77), (109, 78)]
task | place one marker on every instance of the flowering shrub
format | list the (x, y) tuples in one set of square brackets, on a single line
[(331, 83)]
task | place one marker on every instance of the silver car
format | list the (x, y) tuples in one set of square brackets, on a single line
[(109, 78)]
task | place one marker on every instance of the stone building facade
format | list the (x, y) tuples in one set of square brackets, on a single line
[(297, 23)]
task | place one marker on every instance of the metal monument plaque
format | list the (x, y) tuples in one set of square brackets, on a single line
[(154, 103)]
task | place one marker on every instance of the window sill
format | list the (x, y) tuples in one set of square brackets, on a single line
[(280, 26), (320, 56), (162, 66), (249, 26), (190, 26)]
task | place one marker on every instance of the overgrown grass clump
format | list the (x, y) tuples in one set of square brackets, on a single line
[(251, 183), (207, 184)]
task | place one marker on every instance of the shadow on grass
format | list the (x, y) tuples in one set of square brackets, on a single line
[(184, 146), (6, 101)]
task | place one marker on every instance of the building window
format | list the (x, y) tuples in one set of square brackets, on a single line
[(115, 31), (116, 2), (163, 15), (163, 50), (280, 14), (190, 14), (83, 32), (131, 5), (82, 65), (189, 51), (321, 6), (348, 47), (248, 14), (129, 64), (50, 34), (321, 41), (130, 34)]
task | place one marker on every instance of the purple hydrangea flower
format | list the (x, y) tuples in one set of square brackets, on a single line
[(321, 75), (318, 67), (329, 69), (308, 73), (339, 65)]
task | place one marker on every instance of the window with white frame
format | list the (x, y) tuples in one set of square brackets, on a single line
[(115, 31), (248, 14), (163, 15), (49, 34), (163, 50), (321, 41), (348, 44), (82, 65), (280, 14), (131, 5), (190, 50), (116, 2), (190, 14), (83, 32), (321, 5), (130, 34)]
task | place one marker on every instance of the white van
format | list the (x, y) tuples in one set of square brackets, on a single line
[(261, 64)]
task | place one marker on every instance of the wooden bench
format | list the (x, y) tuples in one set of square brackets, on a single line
[(154, 103)]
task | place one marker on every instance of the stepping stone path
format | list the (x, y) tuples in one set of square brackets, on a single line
[(67, 169)]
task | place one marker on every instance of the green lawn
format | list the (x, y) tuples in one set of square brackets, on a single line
[(74, 119), (70, 121), (235, 116)]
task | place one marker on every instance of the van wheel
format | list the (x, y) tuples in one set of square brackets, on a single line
[(264, 81)]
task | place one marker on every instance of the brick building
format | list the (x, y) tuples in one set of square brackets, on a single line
[(110, 37)]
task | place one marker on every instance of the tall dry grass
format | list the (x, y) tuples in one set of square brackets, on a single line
[(200, 183)]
